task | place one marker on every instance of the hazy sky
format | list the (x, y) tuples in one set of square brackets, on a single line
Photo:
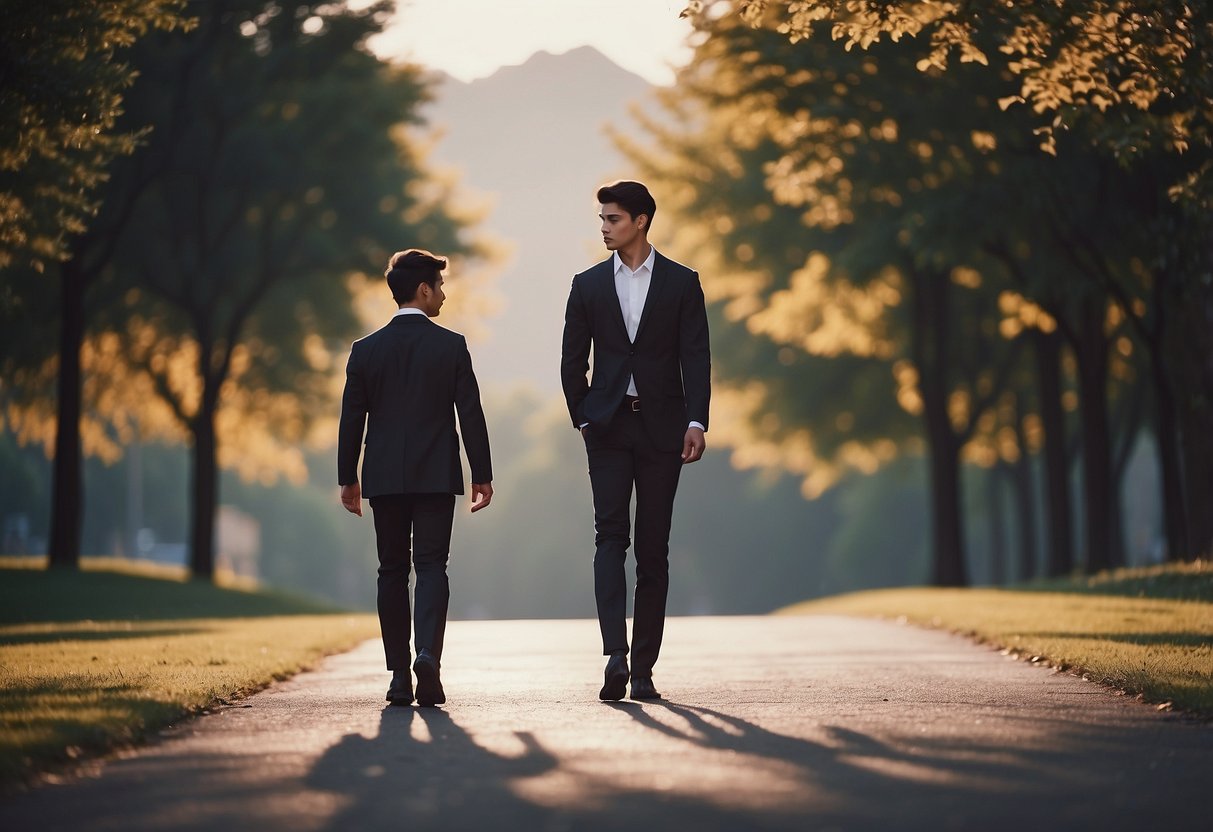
[(470, 39)]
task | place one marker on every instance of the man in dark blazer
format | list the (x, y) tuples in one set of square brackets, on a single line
[(643, 416), (404, 384)]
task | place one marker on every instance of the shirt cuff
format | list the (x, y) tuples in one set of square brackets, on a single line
[(697, 425)]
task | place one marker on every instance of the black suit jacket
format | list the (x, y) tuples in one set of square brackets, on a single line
[(404, 383), (670, 359)]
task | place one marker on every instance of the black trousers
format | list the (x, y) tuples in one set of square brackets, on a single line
[(622, 457), (416, 528)]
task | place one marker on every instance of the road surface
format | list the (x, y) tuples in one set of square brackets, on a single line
[(768, 723)]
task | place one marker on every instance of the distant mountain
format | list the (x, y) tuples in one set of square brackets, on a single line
[(534, 138)]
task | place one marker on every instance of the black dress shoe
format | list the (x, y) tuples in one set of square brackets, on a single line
[(642, 688), (615, 678), (401, 690), (429, 684)]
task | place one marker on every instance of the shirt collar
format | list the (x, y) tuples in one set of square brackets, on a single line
[(647, 264), (408, 310)]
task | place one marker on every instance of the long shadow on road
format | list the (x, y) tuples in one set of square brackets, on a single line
[(439, 778), (423, 771), (852, 780)]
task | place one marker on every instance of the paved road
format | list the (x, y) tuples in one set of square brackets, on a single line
[(815, 723)]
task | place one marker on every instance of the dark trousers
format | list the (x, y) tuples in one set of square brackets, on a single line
[(424, 521), (621, 457)]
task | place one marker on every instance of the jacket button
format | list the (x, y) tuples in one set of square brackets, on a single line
[(631, 352)]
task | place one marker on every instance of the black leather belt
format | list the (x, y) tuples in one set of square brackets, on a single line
[(631, 403)]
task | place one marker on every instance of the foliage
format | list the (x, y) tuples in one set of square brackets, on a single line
[(239, 259), (63, 75), (884, 221), (1131, 80), (884, 186), (278, 175), (1129, 75), (825, 180)]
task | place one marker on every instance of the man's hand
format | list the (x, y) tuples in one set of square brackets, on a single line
[(693, 445), (351, 498), (482, 495)]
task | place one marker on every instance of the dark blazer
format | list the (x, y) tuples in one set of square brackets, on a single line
[(405, 382), (670, 358)]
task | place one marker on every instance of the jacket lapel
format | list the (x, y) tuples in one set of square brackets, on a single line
[(607, 278), (657, 285)]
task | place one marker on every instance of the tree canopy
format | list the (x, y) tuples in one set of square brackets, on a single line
[(885, 223), (64, 68), (224, 270), (1130, 75)]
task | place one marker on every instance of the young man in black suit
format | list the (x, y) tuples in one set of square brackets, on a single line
[(405, 383), (643, 416)]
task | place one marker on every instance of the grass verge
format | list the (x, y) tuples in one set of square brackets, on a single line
[(94, 660), (1146, 631)]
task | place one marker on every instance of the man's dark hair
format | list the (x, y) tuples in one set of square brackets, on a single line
[(632, 197), (410, 268)]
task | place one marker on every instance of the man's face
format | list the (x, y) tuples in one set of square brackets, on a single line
[(432, 299), (618, 227)]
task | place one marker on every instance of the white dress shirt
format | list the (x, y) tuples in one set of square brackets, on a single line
[(409, 310), (632, 287)]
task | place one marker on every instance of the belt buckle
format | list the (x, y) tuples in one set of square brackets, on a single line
[(635, 405)]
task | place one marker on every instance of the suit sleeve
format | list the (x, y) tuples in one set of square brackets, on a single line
[(694, 353), (471, 418), (575, 355), (353, 422)]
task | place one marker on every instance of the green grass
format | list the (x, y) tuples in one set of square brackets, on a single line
[(94, 660), (1145, 631), (109, 589)]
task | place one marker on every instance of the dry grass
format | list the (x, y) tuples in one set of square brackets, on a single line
[(73, 682), (1108, 628)]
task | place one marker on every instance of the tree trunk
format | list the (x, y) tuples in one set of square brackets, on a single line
[(1170, 469), (67, 488), (949, 562), (1167, 376), (932, 351), (1025, 500), (204, 491), (1117, 555), (998, 524), (1060, 537), (1198, 476), (1195, 359), (1092, 357), (1130, 413)]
